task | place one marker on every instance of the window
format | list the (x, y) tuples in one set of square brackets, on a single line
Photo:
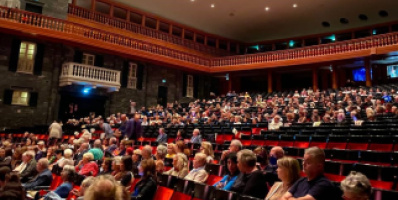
[(132, 76), (189, 86), (88, 59), (20, 98), (26, 61)]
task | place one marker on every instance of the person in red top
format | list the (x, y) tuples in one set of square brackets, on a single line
[(87, 167)]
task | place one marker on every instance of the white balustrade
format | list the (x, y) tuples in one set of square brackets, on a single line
[(81, 74)]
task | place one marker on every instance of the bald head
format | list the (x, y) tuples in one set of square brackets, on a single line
[(277, 152), (84, 146)]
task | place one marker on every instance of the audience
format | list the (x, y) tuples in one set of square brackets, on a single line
[(356, 186), (43, 178), (136, 161), (196, 137), (207, 148), (27, 168), (251, 181), (180, 166), (5, 157), (87, 166), (198, 173), (105, 188), (62, 191), (145, 188), (126, 174), (86, 183), (315, 185), (288, 172), (106, 166), (234, 147), (232, 173), (162, 137)]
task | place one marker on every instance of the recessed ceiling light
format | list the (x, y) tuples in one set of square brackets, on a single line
[(192, 0), (266, 8), (294, 5), (212, 5)]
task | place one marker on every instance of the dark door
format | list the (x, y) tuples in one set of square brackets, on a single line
[(78, 106), (162, 95)]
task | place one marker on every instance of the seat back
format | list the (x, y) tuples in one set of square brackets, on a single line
[(163, 193), (212, 179)]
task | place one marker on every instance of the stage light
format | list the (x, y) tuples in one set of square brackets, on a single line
[(86, 90), (164, 81), (291, 43)]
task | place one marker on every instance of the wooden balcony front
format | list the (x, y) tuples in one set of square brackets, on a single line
[(66, 31), (87, 17)]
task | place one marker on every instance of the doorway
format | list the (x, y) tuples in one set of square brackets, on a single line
[(73, 105), (162, 96)]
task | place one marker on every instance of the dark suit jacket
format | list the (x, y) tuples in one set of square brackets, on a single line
[(79, 156), (43, 179), (145, 189), (133, 129), (129, 128), (29, 172)]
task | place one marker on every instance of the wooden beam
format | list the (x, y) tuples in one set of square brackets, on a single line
[(368, 68), (334, 77), (269, 81), (93, 2)]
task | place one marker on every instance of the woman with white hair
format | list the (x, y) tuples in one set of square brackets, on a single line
[(356, 186), (87, 166), (180, 166), (198, 174), (276, 123), (68, 158)]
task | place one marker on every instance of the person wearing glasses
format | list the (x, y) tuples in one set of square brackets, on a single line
[(315, 186), (356, 186)]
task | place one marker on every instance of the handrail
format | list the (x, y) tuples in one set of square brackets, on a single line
[(38, 20), (311, 51), (135, 28)]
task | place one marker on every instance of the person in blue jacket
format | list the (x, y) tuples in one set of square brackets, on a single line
[(232, 173)]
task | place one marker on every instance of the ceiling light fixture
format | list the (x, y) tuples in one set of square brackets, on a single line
[(212, 5), (266, 8), (192, 0), (294, 5)]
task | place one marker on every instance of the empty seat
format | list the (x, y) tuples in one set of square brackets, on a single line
[(358, 142), (301, 141), (319, 141), (286, 140), (381, 143), (336, 142)]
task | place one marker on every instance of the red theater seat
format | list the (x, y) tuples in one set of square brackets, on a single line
[(163, 193), (212, 179)]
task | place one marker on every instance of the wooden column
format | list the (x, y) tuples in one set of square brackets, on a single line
[(194, 36), (314, 78), (143, 20), (269, 81), (334, 77), (230, 83), (368, 69), (157, 24), (74, 2), (205, 40), (111, 11), (92, 5), (183, 33), (128, 15), (171, 29)]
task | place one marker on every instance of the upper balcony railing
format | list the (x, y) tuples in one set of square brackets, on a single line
[(310, 52), (318, 51), (135, 28), (41, 21)]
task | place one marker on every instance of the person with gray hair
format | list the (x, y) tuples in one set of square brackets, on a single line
[(68, 175), (28, 168), (198, 174), (87, 166), (250, 181), (196, 138), (315, 186), (86, 183), (97, 150), (161, 152), (146, 152), (356, 186), (180, 166), (44, 177), (162, 137), (234, 147)]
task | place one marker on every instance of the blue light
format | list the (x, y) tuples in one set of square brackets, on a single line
[(164, 81), (374, 32), (332, 37), (86, 90), (291, 43)]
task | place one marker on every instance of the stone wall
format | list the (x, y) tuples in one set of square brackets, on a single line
[(52, 8), (45, 85)]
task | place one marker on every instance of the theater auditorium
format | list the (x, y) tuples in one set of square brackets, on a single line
[(198, 99)]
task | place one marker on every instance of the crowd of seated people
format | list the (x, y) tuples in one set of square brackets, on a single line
[(110, 165), (254, 173)]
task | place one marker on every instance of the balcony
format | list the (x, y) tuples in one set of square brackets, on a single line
[(62, 30), (88, 75)]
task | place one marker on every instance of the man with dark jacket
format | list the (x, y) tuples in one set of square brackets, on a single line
[(44, 178)]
